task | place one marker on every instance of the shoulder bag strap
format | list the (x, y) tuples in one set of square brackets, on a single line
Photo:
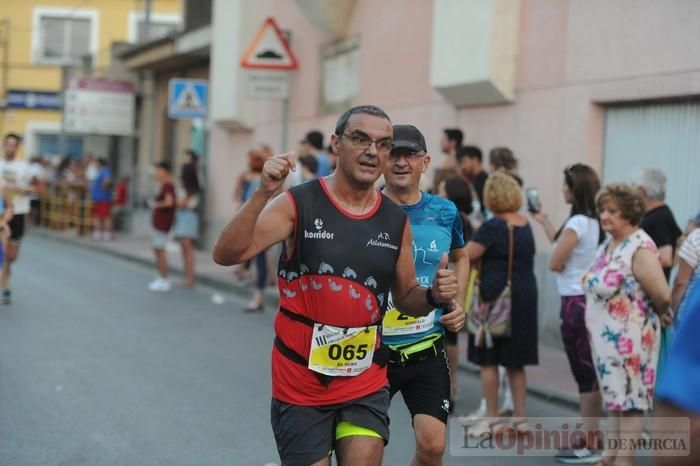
[(477, 267)]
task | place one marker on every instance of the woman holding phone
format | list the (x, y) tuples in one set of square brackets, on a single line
[(575, 245)]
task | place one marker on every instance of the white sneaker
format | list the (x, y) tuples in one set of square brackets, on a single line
[(155, 284), (96, 236), (506, 408), (504, 388), (579, 456), (159, 284), (505, 411), (107, 236), (475, 416)]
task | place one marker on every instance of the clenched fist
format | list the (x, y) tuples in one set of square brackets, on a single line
[(453, 318), (275, 171), (445, 285)]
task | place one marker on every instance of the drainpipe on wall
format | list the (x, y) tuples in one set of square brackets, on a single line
[(5, 44), (147, 20), (65, 76)]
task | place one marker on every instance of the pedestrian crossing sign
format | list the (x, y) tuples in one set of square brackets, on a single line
[(187, 98)]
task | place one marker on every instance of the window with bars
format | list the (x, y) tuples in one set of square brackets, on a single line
[(63, 40)]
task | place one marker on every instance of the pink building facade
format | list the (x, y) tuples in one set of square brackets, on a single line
[(570, 61), (611, 84)]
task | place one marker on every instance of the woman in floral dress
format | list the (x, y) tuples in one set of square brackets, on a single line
[(624, 287)]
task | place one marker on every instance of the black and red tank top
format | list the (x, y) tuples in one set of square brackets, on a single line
[(338, 272)]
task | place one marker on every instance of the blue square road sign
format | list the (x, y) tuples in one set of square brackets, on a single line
[(187, 98)]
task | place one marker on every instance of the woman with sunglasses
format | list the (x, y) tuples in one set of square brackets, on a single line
[(575, 245)]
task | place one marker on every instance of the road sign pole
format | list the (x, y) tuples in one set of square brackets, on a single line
[(270, 51), (285, 124)]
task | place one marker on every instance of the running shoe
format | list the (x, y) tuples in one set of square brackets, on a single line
[(159, 284), (505, 412), (249, 309), (6, 297), (579, 456), (474, 416)]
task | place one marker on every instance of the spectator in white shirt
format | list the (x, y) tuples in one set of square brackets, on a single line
[(575, 246), (688, 260)]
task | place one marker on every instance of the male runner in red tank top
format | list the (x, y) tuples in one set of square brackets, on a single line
[(346, 246)]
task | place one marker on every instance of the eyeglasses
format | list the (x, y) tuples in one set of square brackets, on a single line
[(363, 142), (408, 154)]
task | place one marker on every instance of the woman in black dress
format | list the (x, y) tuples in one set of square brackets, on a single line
[(503, 198)]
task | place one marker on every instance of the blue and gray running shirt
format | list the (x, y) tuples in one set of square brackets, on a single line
[(437, 229)]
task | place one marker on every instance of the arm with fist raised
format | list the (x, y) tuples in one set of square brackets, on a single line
[(259, 223)]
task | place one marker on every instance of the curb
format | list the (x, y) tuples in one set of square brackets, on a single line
[(538, 391)]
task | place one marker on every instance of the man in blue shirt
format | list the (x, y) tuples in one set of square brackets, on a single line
[(418, 365), (312, 144), (678, 388), (101, 194)]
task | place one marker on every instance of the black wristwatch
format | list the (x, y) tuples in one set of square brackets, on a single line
[(430, 298)]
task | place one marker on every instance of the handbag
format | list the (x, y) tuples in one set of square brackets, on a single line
[(489, 320)]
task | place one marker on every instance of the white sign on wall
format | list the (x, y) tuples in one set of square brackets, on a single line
[(99, 106), (341, 76), (268, 84)]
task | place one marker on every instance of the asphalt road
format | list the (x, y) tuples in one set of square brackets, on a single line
[(97, 370)]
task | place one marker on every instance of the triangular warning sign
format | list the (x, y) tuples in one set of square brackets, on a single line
[(269, 49), (188, 100)]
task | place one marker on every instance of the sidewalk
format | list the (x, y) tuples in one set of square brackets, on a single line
[(550, 380), (135, 248)]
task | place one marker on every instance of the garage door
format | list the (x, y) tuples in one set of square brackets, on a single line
[(664, 136)]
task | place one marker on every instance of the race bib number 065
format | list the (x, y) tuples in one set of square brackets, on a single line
[(337, 351)]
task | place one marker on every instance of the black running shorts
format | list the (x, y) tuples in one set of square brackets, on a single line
[(17, 227), (425, 386), (306, 434)]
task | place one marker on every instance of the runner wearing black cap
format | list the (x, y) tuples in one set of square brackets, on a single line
[(418, 366)]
